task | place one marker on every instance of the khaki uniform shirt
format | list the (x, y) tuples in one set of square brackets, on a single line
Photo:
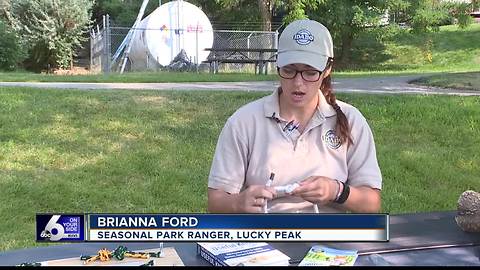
[(253, 144)]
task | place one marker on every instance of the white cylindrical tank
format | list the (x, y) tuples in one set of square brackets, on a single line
[(173, 26)]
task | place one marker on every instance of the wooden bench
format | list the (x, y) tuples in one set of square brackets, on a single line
[(254, 56)]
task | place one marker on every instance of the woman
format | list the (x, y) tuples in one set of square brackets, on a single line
[(298, 149)]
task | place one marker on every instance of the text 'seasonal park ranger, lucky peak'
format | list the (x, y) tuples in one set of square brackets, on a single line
[(298, 149)]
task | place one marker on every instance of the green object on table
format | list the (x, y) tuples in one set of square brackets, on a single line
[(155, 254), (119, 253), (85, 257)]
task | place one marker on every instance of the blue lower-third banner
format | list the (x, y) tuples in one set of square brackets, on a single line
[(212, 227), (238, 227)]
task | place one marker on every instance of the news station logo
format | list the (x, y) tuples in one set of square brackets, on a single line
[(60, 227)]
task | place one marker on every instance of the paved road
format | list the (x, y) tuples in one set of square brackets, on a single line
[(373, 85)]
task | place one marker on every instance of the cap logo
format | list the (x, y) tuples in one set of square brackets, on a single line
[(303, 37), (331, 139)]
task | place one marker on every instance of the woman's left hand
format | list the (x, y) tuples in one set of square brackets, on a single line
[(317, 189)]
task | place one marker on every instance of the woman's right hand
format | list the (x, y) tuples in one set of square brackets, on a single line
[(254, 198)]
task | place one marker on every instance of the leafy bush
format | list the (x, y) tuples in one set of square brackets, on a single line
[(462, 15), (458, 13), (428, 19), (52, 29), (11, 52)]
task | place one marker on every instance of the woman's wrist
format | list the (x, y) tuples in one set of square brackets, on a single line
[(336, 188), (235, 203)]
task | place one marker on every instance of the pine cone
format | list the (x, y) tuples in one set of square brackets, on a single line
[(468, 211)]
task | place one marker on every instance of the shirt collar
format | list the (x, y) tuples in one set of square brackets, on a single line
[(323, 107), (271, 106)]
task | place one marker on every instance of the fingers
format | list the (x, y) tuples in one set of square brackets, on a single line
[(255, 205), (258, 191), (306, 185), (255, 198), (272, 192), (315, 189), (268, 193), (259, 202)]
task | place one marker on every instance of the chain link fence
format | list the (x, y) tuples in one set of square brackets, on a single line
[(100, 47), (106, 57), (244, 40)]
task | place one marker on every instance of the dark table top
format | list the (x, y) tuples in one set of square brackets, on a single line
[(415, 239)]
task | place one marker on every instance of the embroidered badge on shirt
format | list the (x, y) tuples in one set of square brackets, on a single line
[(303, 37), (331, 139)]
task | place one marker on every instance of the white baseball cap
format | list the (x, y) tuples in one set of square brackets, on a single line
[(305, 42)]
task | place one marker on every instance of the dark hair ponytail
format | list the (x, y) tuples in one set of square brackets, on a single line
[(342, 126)]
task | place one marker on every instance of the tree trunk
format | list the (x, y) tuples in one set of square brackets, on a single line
[(265, 7), (347, 40)]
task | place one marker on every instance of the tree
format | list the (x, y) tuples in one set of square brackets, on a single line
[(241, 15), (264, 10), (122, 12), (224, 15), (427, 15), (294, 9), (346, 20), (51, 29), (422, 15), (266, 7), (11, 53), (461, 13), (397, 10), (297, 9)]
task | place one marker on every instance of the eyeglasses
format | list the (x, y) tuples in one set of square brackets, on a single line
[(307, 75)]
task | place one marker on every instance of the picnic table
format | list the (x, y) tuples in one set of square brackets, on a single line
[(260, 57), (425, 239)]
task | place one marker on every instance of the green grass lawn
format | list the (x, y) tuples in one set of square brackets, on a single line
[(467, 81), (172, 77), (449, 50), (130, 77), (177, 77), (150, 151)]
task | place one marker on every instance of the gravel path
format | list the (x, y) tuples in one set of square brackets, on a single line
[(372, 85)]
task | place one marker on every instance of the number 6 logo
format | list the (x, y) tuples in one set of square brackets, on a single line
[(52, 224)]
